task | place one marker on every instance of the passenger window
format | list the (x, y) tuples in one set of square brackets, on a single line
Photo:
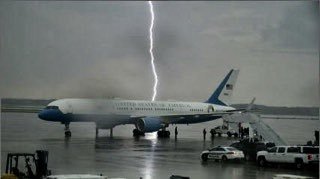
[(310, 150), (281, 149), (270, 144), (52, 107), (272, 150), (293, 150)]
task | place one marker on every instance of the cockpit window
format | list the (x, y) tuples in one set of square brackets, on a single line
[(52, 107)]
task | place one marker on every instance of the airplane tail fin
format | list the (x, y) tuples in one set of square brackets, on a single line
[(222, 95)]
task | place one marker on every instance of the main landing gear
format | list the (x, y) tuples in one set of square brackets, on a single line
[(67, 132), (137, 133), (163, 133)]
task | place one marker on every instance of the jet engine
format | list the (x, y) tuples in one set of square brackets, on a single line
[(149, 124)]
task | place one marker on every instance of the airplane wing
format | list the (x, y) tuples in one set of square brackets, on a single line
[(249, 108), (238, 110), (175, 118), (168, 119)]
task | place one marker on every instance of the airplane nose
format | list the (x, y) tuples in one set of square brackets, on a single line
[(50, 115), (41, 114)]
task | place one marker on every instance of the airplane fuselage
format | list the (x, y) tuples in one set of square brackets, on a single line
[(147, 116), (108, 113)]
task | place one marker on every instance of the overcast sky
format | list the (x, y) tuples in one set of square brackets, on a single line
[(100, 49)]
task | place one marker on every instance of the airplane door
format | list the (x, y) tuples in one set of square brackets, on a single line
[(210, 109), (69, 108)]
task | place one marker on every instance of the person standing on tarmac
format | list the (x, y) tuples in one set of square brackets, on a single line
[(242, 132), (239, 128), (175, 132), (204, 133), (212, 136), (212, 133)]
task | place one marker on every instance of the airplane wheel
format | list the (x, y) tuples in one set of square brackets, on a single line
[(224, 158), (167, 134), (137, 133), (163, 134), (204, 157), (229, 134), (67, 134)]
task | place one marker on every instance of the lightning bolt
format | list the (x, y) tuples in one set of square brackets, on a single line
[(151, 53)]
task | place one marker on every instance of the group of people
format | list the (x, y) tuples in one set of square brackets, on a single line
[(243, 131), (316, 141), (205, 133)]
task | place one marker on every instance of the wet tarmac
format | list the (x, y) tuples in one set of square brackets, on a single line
[(146, 157)]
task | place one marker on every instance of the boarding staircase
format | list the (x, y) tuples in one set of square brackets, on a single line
[(256, 124)]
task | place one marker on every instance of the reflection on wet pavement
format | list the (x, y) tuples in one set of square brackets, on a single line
[(123, 155)]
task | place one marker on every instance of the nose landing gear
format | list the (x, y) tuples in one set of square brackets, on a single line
[(67, 132)]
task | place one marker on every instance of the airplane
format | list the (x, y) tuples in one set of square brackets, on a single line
[(147, 116)]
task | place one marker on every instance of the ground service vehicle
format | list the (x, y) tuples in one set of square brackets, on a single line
[(250, 147), (288, 155), (219, 130), (34, 165), (222, 153), (312, 154)]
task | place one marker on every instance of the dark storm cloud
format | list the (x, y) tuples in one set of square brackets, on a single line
[(100, 49), (298, 28), (231, 34), (58, 47)]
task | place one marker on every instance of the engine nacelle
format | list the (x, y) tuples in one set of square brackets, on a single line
[(149, 124)]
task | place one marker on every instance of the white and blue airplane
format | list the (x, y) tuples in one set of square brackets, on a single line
[(147, 116)]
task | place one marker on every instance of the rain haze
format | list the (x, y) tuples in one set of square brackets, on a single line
[(100, 50)]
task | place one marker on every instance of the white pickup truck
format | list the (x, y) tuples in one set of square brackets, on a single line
[(297, 155)]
